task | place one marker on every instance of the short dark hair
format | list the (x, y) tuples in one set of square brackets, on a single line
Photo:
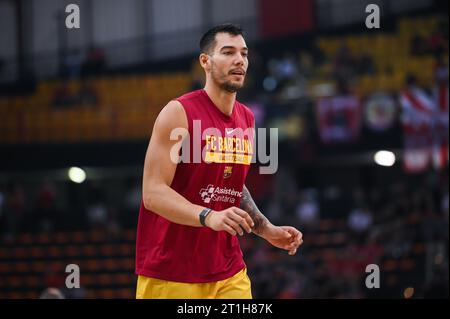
[(208, 40)]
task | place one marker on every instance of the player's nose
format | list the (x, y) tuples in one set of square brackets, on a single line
[(239, 61)]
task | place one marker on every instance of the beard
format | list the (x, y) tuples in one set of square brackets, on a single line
[(223, 83), (230, 87)]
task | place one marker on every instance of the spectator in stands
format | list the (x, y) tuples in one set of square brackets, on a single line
[(96, 214), (256, 74), (418, 45), (283, 69), (51, 293), (274, 210), (306, 64), (112, 225), (438, 41), (287, 67), (72, 64), (62, 97), (441, 70), (360, 220), (365, 65), (444, 203), (95, 62), (344, 64), (292, 287), (87, 94), (308, 209), (133, 197), (14, 210), (54, 276), (45, 209), (342, 86), (96, 211), (438, 286), (433, 226), (78, 293)]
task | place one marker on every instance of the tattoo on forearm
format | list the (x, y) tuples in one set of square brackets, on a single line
[(248, 204)]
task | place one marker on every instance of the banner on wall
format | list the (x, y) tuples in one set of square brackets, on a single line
[(425, 128), (441, 130), (284, 17), (380, 112), (339, 119)]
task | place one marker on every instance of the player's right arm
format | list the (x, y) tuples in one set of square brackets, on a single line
[(159, 171)]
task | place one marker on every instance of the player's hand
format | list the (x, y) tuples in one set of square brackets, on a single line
[(232, 220), (284, 237)]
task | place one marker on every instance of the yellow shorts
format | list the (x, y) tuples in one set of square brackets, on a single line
[(236, 287)]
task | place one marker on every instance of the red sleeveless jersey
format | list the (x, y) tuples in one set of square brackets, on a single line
[(221, 149)]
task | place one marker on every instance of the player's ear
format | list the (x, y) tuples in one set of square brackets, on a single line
[(204, 61)]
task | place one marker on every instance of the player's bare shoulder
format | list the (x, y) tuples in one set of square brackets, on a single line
[(172, 116)]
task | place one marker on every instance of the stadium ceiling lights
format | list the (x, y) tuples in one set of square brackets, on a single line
[(384, 158), (76, 175)]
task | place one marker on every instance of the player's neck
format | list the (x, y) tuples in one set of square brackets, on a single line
[(222, 99)]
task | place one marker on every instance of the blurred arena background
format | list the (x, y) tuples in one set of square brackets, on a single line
[(337, 91)]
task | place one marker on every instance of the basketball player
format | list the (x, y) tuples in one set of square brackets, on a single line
[(192, 212)]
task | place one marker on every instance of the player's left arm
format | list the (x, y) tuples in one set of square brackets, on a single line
[(284, 237)]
